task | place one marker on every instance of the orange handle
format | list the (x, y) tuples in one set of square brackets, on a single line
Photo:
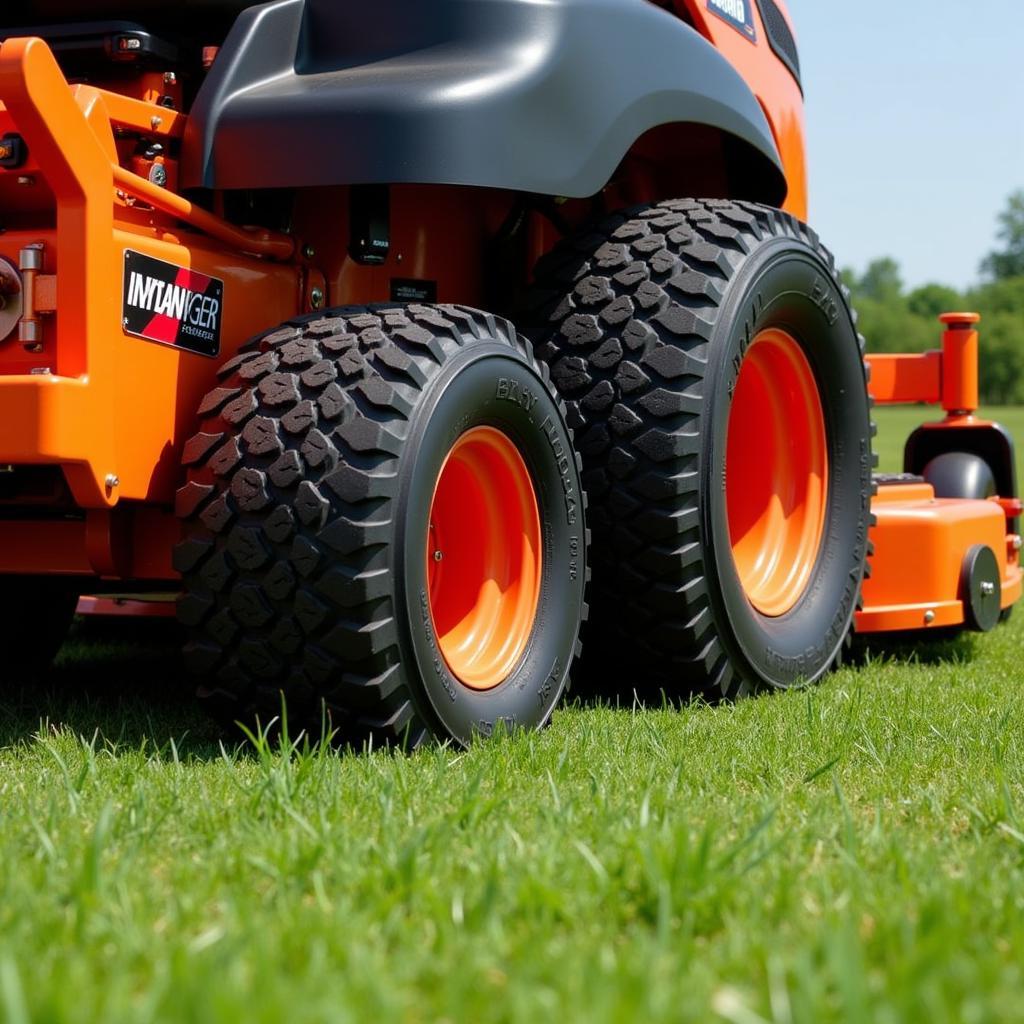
[(258, 242)]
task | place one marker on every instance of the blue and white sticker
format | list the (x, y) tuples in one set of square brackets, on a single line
[(738, 13)]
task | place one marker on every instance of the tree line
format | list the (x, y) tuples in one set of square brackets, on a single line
[(893, 319)]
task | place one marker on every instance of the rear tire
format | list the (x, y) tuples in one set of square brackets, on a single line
[(310, 504), (647, 322)]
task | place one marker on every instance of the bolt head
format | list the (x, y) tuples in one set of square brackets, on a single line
[(308, 252), (929, 617), (111, 481), (158, 175), (987, 588), (31, 257), (316, 298), (438, 556)]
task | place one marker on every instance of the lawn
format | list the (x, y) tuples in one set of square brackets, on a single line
[(850, 853)]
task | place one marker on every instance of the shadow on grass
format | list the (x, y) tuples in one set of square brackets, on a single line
[(937, 647), (608, 683), (122, 679), (603, 688)]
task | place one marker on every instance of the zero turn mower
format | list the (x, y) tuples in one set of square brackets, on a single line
[(373, 330)]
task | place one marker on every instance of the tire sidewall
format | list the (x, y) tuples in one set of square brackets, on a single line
[(786, 285), (492, 385)]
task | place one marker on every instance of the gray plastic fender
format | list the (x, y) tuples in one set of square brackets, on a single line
[(542, 96)]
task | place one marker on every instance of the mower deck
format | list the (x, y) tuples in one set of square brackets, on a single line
[(918, 572)]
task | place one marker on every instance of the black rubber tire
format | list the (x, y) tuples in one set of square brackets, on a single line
[(37, 614), (307, 502), (644, 320), (980, 570)]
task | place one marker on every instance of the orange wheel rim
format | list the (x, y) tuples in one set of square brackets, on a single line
[(776, 473), (483, 558)]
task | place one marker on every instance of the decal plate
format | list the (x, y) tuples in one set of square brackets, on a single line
[(171, 305), (738, 13), (408, 289)]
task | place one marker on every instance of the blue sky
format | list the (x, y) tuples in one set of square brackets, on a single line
[(915, 118)]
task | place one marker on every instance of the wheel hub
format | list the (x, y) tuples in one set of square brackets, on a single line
[(776, 473), (483, 558)]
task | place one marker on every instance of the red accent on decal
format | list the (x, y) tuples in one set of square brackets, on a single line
[(162, 328), (192, 280), (165, 328)]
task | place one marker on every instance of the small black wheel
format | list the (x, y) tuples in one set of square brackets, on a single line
[(716, 382), (37, 614), (960, 475), (384, 518), (981, 589)]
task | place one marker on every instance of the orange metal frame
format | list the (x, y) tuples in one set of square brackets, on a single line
[(919, 540), (112, 411), (946, 376)]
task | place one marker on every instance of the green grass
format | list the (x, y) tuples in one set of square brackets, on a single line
[(851, 853)]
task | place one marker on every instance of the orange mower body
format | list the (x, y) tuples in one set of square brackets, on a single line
[(242, 261)]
